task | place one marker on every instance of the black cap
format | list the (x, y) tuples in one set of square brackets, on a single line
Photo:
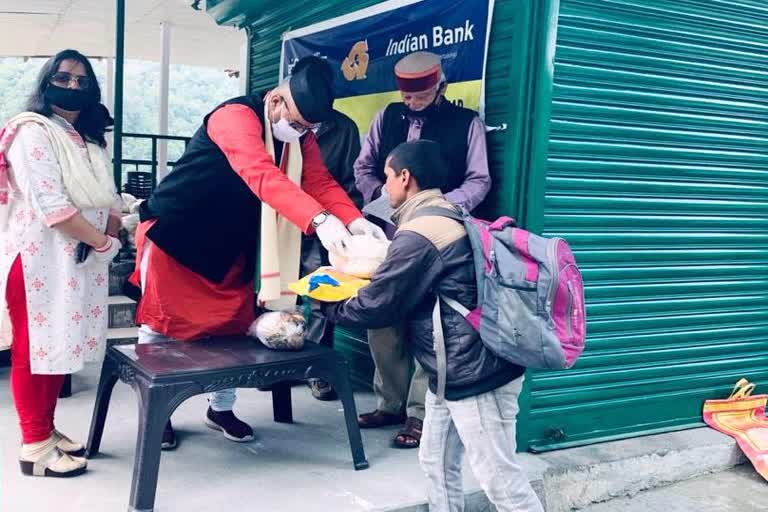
[(322, 65), (312, 89)]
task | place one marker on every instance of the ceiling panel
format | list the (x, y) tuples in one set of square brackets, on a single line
[(43, 27)]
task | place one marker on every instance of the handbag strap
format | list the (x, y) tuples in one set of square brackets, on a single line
[(742, 389)]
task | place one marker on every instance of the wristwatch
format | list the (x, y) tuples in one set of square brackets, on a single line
[(319, 219)]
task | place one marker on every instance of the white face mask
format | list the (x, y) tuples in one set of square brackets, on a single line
[(283, 131)]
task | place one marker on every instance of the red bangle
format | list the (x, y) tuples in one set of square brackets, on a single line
[(105, 247)]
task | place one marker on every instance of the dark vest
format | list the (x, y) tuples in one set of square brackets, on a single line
[(448, 126), (206, 216)]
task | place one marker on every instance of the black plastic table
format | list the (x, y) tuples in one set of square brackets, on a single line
[(166, 374)]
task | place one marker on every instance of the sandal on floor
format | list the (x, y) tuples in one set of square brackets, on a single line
[(410, 436), (67, 445), (378, 419), (321, 390), (54, 463)]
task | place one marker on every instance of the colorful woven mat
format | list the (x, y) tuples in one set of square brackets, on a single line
[(742, 416)]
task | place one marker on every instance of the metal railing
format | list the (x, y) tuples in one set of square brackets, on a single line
[(153, 162)]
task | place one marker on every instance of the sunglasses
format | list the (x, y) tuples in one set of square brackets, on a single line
[(63, 79)]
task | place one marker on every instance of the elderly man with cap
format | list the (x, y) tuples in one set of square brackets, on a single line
[(249, 183), (424, 113)]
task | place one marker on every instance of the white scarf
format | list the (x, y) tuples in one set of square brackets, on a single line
[(88, 181), (280, 246)]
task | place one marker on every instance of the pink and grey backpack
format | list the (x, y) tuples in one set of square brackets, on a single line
[(530, 293)]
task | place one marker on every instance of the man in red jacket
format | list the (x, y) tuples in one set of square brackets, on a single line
[(251, 181)]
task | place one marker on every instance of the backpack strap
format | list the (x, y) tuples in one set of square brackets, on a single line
[(478, 248), (439, 211), (439, 346), (456, 306), (439, 340)]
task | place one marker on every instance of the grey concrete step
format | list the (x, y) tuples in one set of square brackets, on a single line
[(575, 478), (736, 490), (122, 311), (123, 335)]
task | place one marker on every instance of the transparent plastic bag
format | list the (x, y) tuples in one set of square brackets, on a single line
[(279, 330), (364, 256)]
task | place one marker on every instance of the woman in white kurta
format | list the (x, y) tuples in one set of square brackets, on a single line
[(56, 192)]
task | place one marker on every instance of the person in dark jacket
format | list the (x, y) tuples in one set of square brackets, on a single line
[(431, 257), (339, 140)]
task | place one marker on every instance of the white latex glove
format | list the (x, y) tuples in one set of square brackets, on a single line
[(333, 235), (108, 255), (362, 226)]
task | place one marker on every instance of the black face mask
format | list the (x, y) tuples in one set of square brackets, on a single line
[(72, 100), (428, 111)]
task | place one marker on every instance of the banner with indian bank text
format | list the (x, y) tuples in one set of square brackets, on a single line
[(364, 46)]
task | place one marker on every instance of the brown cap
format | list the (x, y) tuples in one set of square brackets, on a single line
[(419, 71)]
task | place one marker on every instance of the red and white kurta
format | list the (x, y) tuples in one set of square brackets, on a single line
[(66, 302)]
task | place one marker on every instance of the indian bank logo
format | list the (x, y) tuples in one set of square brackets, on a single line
[(355, 65)]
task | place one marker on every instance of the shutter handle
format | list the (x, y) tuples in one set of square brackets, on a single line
[(500, 128)]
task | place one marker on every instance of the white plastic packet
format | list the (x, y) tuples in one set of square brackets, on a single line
[(130, 222), (279, 330), (129, 201), (365, 254)]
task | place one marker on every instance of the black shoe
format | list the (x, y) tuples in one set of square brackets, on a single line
[(228, 424), (322, 390), (169, 438)]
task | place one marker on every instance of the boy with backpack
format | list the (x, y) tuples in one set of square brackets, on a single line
[(429, 273)]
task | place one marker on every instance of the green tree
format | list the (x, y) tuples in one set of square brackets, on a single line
[(193, 92)]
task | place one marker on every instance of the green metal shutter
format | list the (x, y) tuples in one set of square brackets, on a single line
[(508, 68), (657, 174)]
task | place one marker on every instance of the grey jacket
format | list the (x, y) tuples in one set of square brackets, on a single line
[(429, 255)]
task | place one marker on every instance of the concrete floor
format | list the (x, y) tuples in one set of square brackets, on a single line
[(307, 466), (304, 466), (738, 490)]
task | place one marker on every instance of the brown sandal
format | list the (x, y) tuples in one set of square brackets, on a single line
[(321, 390), (410, 436), (378, 419)]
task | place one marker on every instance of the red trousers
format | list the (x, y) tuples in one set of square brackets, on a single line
[(35, 396)]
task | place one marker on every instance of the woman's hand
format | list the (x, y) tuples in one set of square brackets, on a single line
[(108, 251), (81, 230)]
